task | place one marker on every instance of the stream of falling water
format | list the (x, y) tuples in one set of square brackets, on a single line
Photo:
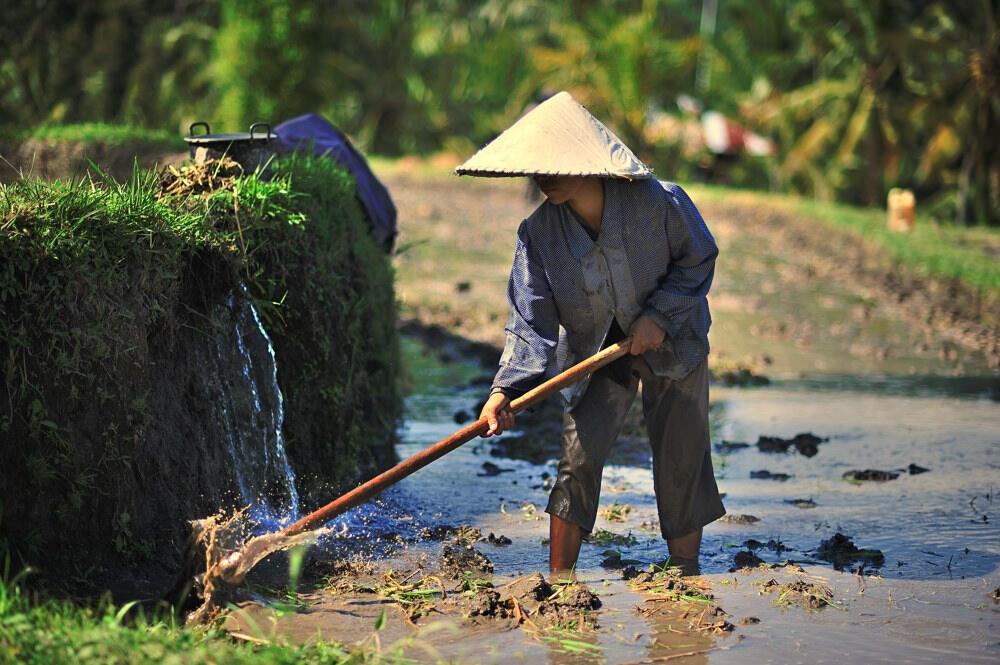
[(253, 415)]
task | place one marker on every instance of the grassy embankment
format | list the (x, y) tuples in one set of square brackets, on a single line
[(946, 252), (98, 132), (97, 278)]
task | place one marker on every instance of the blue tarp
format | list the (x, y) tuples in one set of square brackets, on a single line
[(312, 132)]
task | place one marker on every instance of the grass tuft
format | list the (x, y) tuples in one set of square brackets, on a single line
[(39, 630)]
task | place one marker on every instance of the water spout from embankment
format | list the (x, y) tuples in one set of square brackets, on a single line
[(252, 413)]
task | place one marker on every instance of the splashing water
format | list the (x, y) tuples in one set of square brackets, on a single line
[(253, 415)]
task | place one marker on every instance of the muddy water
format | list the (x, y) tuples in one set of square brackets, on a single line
[(929, 600)]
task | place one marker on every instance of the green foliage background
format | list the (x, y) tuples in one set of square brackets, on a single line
[(860, 95)]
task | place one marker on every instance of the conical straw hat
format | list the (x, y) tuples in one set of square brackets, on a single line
[(557, 137)]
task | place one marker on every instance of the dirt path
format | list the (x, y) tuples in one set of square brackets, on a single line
[(788, 300)]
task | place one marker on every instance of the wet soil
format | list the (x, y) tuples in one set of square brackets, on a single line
[(439, 595), (841, 552), (870, 474), (738, 518), (756, 602), (808, 595), (806, 443)]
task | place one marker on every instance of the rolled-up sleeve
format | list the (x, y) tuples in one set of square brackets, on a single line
[(682, 291), (533, 327)]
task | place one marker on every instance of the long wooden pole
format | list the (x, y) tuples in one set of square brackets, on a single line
[(380, 482)]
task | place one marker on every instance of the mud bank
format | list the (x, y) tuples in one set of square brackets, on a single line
[(129, 374), (946, 318), (51, 160)]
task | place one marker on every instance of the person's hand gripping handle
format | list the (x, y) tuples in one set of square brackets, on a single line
[(498, 414)]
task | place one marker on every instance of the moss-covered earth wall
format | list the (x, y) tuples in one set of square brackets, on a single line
[(113, 300)]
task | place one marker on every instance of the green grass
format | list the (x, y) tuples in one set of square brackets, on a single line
[(424, 373), (98, 132), (91, 270), (35, 630), (938, 251), (605, 537)]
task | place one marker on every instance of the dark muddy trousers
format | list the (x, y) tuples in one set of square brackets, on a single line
[(676, 414)]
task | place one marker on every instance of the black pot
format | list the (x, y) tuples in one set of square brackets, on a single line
[(251, 149)]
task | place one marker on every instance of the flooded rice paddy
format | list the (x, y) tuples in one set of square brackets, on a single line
[(881, 379), (929, 596)]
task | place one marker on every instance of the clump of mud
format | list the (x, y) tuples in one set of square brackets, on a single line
[(774, 545), (711, 620), (739, 375), (490, 469), (338, 574), (605, 537), (726, 447), (746, 559), (738, 518), (616, 512), (461, 535), (569, 605), (666, 581), (458, 560), (804, 594), (531, 601), (841, 552), (870, 475), (498, 540), (613, 560), (668, 591), (764, 474), (806, 443), (477, 602), (529, 588)]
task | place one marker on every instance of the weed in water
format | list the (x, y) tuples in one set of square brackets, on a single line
[(616, 512), (566, 640), (605, 537)]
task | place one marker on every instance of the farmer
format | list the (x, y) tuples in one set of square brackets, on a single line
[(611, 253)]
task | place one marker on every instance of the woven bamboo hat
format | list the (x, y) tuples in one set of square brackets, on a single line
[(557, 137)]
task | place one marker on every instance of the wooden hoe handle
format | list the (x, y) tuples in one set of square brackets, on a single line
[(363, 492)]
